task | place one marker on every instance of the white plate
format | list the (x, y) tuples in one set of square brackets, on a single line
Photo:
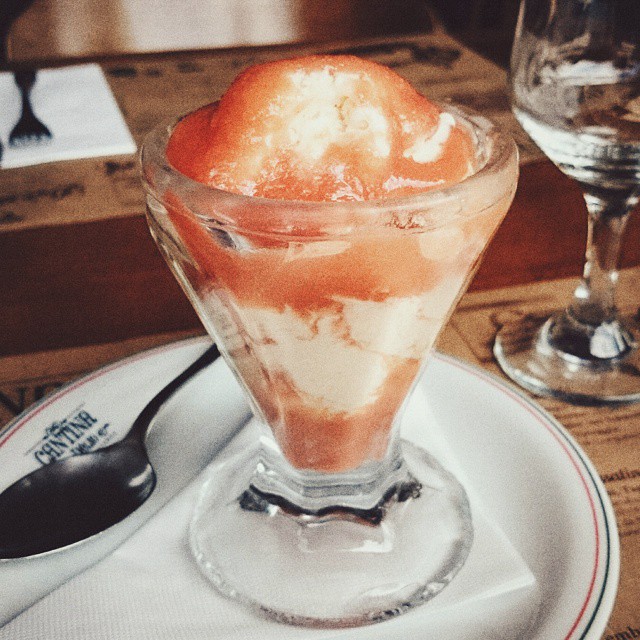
[(541, 488), (532, 477)]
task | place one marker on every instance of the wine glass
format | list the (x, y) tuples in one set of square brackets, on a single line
[(575, 88), (326, 312)]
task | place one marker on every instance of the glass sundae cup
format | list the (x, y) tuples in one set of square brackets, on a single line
[(326, 313)]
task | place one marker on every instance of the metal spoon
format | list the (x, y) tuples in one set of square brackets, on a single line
[(72, 499)]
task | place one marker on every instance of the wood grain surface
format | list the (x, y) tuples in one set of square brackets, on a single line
[(104, 281), (78, 266)]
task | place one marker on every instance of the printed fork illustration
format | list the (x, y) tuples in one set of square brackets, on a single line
[(28, 130)]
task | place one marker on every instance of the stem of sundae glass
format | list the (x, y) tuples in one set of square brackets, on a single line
[(590, 329), (363, 492)]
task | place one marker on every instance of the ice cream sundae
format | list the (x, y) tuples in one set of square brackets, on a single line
[(324, 217)]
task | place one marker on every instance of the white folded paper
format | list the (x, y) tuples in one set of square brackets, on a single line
[(149, 588), (76, 105)]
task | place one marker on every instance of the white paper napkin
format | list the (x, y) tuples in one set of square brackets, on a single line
[(76, 104), (151, 589)]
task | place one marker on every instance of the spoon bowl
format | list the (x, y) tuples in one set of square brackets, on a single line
[(73, 499)]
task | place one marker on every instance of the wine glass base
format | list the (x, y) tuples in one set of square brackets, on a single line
[(525, 354), (334, 569)]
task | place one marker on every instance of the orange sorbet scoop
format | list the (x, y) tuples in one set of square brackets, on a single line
[(322, 128)]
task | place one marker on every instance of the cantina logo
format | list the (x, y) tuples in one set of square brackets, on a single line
[(78, 433)]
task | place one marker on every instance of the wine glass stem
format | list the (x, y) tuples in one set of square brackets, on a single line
[(590, 328), (594, 299)]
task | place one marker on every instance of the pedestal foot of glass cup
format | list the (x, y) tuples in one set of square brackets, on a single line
[(335, 567), (572, 361)]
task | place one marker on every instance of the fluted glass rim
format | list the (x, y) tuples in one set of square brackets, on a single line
[(492, 182)]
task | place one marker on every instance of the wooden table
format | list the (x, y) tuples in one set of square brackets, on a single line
[(85, 283), (79, 267), (103, 281)]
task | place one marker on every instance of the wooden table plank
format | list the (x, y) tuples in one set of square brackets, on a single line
[(79, 266), (104, 281), (544, 235)]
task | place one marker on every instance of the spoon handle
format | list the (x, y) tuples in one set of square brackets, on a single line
[(141, 424)]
